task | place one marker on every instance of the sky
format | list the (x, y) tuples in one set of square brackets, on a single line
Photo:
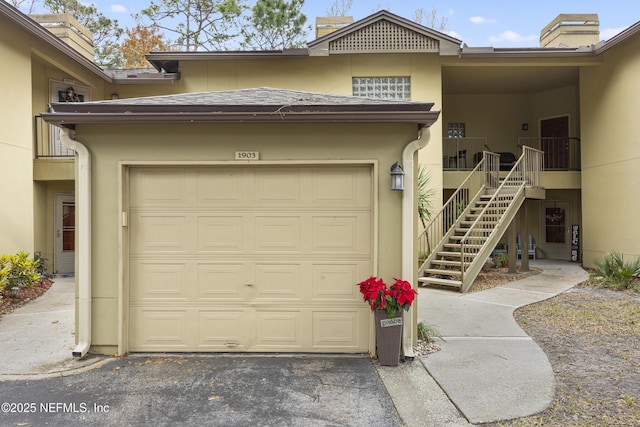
[(478, 23)]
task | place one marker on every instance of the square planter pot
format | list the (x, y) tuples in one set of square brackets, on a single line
[(388, 337)]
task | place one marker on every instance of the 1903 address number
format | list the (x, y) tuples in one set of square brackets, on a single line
[(247, 155)]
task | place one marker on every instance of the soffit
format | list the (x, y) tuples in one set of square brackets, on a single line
[(505, 80)]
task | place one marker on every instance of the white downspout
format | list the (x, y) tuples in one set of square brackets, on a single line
[(83, 271), (408, 232)]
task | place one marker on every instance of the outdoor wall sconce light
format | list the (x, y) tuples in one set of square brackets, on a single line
[(397, 177), (525, 126)]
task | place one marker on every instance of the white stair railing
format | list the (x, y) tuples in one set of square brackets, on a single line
[(526, 172), (484, 175)]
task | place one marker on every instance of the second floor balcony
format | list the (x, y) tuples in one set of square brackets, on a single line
[(464, 153)]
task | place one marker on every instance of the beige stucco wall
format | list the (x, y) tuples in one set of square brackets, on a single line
[(327, 74), (610, 127), (553, 103), (201, 142), (16, 186), (497, 117)]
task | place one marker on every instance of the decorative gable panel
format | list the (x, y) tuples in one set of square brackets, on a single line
[(383, 36)]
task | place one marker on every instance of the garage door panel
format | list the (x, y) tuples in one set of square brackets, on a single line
[(340, 330), (343, 234), (220, 233), (161, 280), (337, 282), (278, 233), (159, 187), (221, 187), (279, 330), (160, 233), (160, 329), (278, 281), (340, 187), (222, 330), (277, 188), (221, 281)]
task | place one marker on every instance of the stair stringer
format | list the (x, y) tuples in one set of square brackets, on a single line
[(470, 274), (445, 238)]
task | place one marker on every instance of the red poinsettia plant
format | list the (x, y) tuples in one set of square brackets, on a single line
[(398, 296)]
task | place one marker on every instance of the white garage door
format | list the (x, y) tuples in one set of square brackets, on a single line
[(249, 258)]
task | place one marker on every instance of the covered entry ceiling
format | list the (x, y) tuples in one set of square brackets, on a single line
[(240, 258), (506, 79)]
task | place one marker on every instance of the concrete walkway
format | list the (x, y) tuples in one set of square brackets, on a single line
[(37, 339), (489, 367)]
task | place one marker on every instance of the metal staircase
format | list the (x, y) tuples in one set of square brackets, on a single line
[(474, 219)]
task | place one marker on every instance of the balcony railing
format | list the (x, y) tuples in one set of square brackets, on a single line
[(560, 154), (462, 153), (47, 144)]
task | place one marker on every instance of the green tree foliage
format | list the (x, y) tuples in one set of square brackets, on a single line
[(106, 31), (276, 24), (197, 24)]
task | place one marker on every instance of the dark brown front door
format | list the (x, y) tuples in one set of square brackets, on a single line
[(555, 142)]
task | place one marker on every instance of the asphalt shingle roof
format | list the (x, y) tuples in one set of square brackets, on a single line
[(254, 96), (242, 105)]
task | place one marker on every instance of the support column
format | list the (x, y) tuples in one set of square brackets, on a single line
[(524, 237), (513, 253)]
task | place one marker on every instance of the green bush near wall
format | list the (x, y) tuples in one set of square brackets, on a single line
[(618, 272), (18, 270)]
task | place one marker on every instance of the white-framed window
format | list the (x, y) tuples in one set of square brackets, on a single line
[(382, 87), (64, 92)]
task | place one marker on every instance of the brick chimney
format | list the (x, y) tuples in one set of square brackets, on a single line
[(69, 30), (328, 24), (571, 30)]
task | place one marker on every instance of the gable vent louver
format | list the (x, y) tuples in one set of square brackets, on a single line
[(384, 36)]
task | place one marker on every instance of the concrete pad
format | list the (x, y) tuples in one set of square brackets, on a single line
[(418, 398), (493, 379)]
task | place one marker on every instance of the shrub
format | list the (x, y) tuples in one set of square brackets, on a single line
[(428, 333), (619, 273), (18, 270)]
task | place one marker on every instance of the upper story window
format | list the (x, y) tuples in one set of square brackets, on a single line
[(456, 130), (382, 87)]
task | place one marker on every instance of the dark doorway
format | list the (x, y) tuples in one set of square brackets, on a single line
[(555, 142)]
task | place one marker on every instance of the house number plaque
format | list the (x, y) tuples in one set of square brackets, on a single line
[(247, 155), (386, 323)]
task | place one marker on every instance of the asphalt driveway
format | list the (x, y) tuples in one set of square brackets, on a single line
[(213, 390)]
